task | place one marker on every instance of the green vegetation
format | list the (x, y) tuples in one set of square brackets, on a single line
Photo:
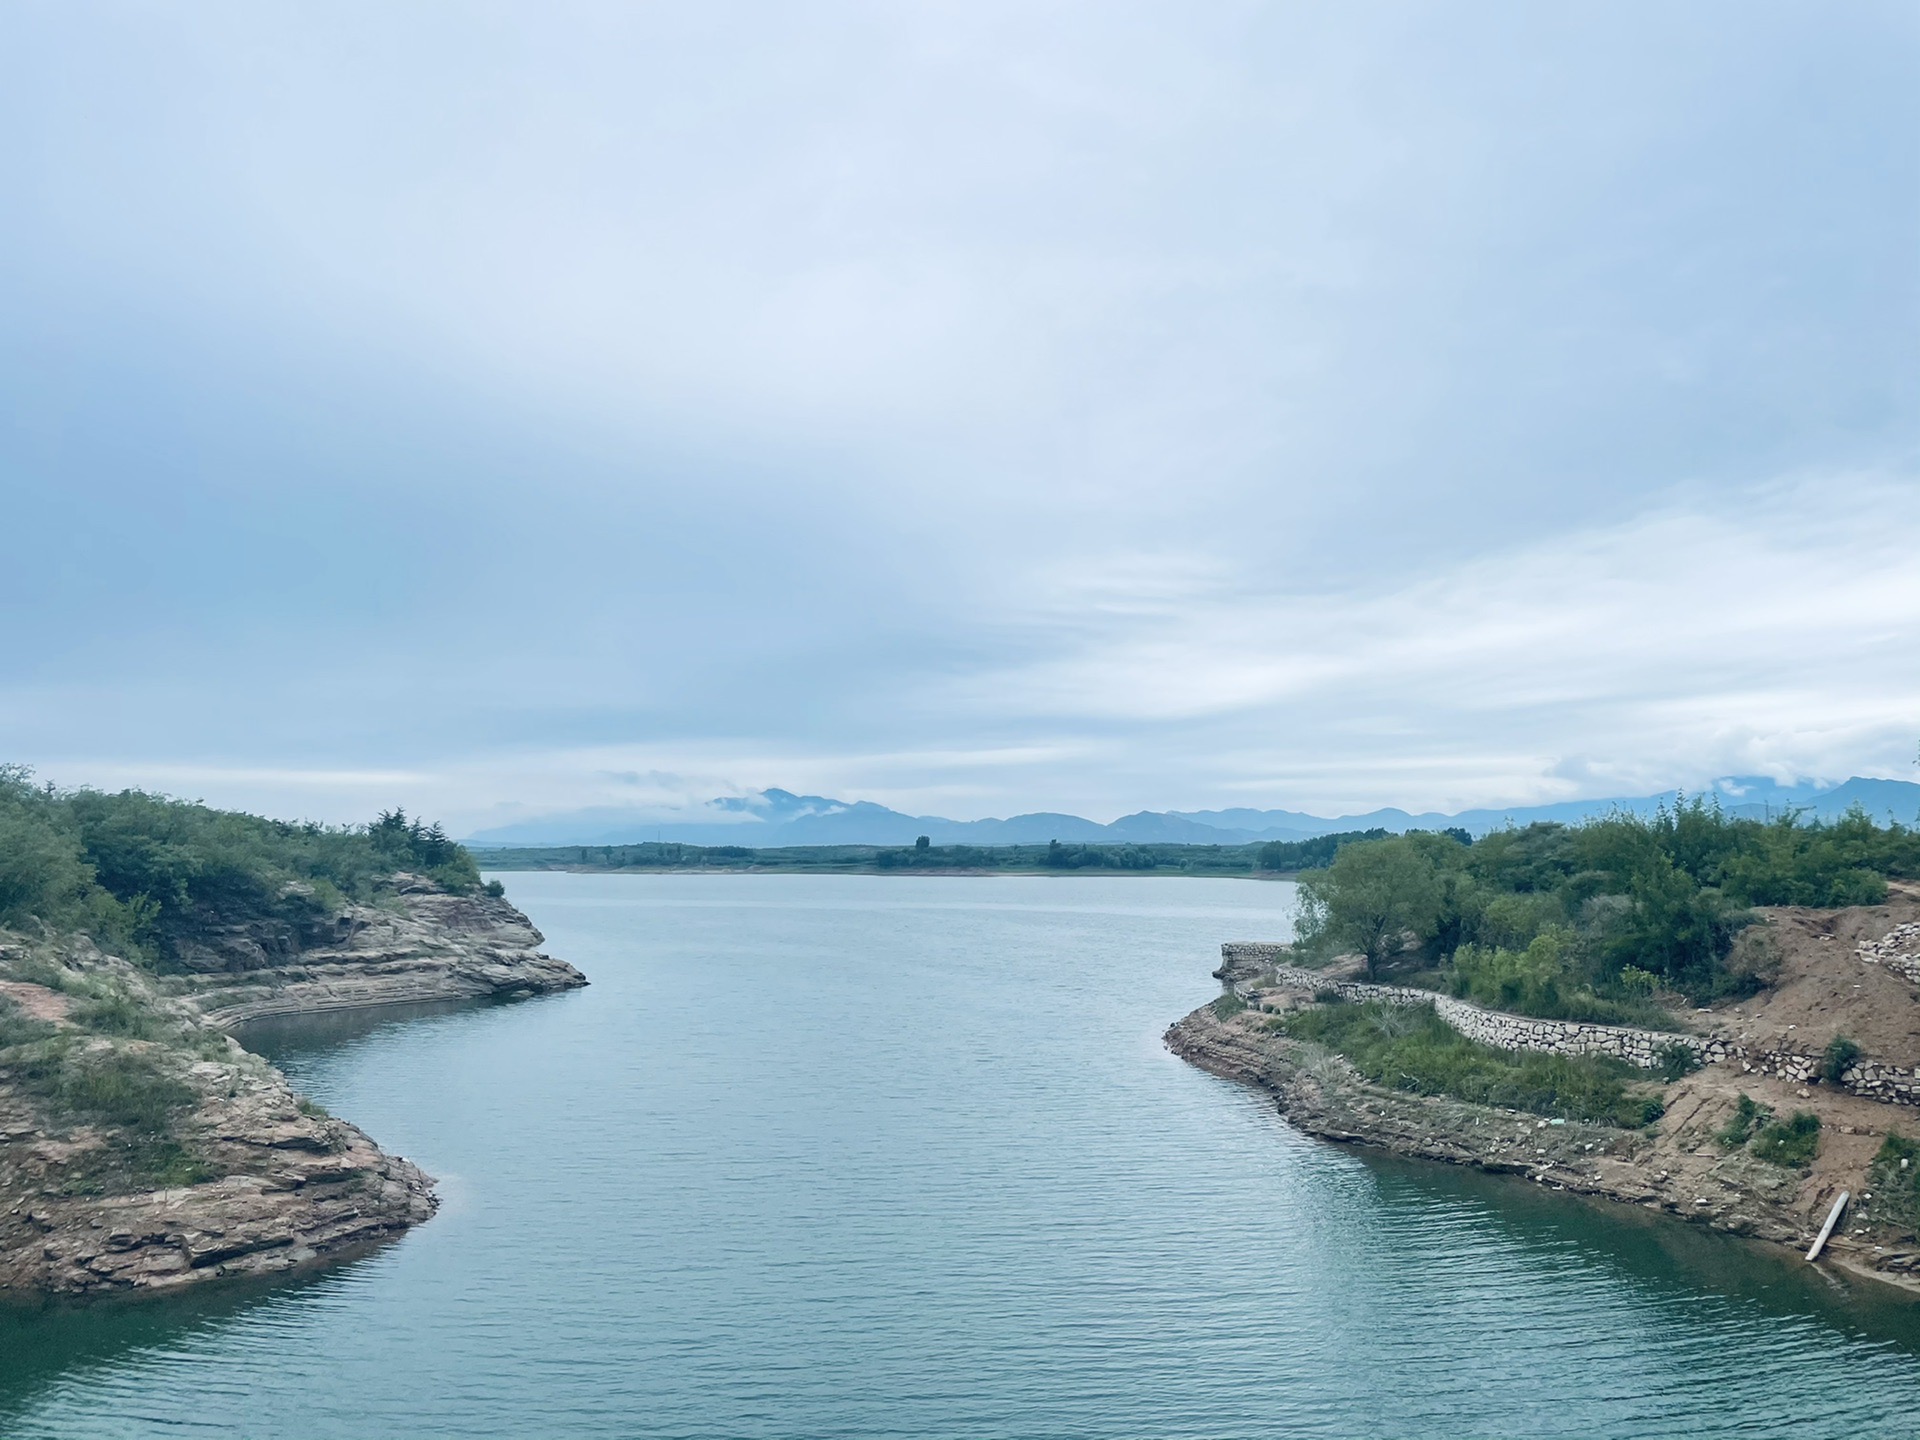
[(115, 1065), (1676, 1061), (1274, 857), (1747, 1117), (1839, 1057), (1791, 1143), (141, 873), (1590, 922), (1228, 1006), (1290, 855), (1412, 1048), (1894, 1178)]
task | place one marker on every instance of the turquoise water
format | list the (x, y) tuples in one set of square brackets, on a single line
[(876, 1156)]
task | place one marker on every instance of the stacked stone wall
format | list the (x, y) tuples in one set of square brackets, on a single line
[(1873, 1079), (1898, 950), (1513, 1032)]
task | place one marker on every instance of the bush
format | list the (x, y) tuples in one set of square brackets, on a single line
[(1791, 1142), (116, 1013), (144, 873), (19, 1029), (1747, 1115), (1412, 1048), (117, 1087), (1676, 1061), (1838, 1059), (1228, 1006), (1895, 1179), (1545, 980), (1635, 904)]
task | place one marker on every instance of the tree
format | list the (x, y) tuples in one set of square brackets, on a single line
[(923, 842), (1369, 899)]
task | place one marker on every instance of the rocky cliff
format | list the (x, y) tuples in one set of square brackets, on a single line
[(141, 1147), (419, 943)]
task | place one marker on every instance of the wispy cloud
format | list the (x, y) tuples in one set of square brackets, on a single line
[(976, 406)]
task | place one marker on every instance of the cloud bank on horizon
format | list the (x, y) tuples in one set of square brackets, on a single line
[(969, 408)]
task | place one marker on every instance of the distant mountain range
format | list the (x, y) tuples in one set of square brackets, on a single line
[(779, 817)]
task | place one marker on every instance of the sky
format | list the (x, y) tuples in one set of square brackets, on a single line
[(500, 409)]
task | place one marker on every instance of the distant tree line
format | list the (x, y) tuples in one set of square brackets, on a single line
[(923, 854)]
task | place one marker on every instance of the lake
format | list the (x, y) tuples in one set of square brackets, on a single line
[(877, 1156)]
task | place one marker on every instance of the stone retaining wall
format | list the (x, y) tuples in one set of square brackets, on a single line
[(1872, 1079), (1898, 950), (1515, 1032)]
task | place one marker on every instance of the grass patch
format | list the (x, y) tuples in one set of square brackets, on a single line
[(1412, 1048), (1748, 1116), (17, 1028), (115, 1012), (1228, 1006), (119, 1088), (1895, 1179), (1791, 1142)]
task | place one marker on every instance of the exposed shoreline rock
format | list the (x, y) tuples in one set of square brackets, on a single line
[(1677, 1170), (88, 1206), (424, 944)]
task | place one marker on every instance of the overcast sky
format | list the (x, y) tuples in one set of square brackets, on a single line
[(971, 407)]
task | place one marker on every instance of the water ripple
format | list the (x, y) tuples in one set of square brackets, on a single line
[(891, 1157)]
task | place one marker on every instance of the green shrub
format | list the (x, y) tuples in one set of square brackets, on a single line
[(17, 1028), (1227, 1006), (1412, 1048), (1634, 904), (123, 1088), (1748, 1115), (1838, 1059), (1545, 979), (144, 874), (1676, 1061), (1894, 1178), (116, 1013), (1791, 1142), (115, 1087)]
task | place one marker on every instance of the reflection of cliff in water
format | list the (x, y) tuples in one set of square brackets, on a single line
[(61, 1342), (1668, 1264), (279, 1036)]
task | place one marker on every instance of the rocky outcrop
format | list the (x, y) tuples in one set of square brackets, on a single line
[(420, 943), (142, 1148), (1676, 1168), (291, 1188)]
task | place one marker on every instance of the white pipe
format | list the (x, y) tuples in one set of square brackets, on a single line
[(1833, 1219)]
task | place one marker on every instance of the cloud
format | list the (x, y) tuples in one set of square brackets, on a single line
[(976, 407)]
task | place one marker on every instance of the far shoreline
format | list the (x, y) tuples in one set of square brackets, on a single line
[(950, 873)]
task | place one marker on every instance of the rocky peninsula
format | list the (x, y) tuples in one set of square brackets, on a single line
[(1843, 973), (143, 1148)]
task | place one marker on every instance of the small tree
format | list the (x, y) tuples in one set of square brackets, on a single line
[(923, 842), (1369, 899)]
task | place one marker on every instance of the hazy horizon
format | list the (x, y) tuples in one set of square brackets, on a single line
[(969, 409)]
